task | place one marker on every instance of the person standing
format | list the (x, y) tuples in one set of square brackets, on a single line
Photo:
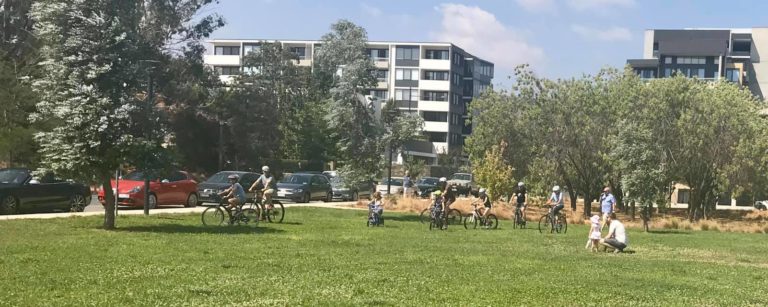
[(407, 184), (617, 235), (607, 205)]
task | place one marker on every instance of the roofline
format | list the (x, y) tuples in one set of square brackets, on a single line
[(255, 40)]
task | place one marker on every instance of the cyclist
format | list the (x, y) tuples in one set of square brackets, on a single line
[(520, 195), (449, 197), (486, 200), (376, 206), (268, 183), (235, 194), (556, 201), (438, 203)]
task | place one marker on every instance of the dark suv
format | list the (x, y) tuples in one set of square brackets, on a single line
[(304, 187)]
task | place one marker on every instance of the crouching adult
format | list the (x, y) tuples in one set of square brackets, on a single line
[(616, 239)]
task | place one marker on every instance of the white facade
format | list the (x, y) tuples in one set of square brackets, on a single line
[(431, 79)]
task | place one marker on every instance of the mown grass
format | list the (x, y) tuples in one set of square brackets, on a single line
[(328, 257)]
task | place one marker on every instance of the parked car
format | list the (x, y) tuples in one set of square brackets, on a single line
[(173, 188), (20, 192), (427, 185), (220, 182), (465, 183), (350, 192), (304, 187), (396, 186), (761, 205)]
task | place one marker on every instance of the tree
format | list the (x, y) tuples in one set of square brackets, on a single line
[(94, 67), (399, 128), (494, 173), (343, 55)]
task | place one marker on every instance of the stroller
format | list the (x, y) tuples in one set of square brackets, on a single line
[(375, 217)]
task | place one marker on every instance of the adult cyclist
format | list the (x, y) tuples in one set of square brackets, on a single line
[(520, 194), (556, 201), (235, 194), (267, 181), (486, 200), (449, 197)]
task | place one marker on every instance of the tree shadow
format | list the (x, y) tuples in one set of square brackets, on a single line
[(402, 218), (669, 232), (201, 229)]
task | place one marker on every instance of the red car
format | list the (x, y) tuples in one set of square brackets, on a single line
[(175, 188)]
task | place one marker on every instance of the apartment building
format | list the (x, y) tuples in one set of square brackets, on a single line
[(709, 54), (434, 80)]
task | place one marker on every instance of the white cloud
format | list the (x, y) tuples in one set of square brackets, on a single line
[(603, 34), (600, 5), (480, 33), (370, 10), (538, 6)]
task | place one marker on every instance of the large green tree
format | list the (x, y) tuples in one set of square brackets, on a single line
[(96, 58)]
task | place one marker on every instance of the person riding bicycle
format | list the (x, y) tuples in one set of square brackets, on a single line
[(235, 194), (438, 203), (486, 200), (449, 197), (376, 206), (267, 181), (520, 197), (556, 201)]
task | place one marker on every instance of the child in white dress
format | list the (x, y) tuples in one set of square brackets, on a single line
[(594, 233)]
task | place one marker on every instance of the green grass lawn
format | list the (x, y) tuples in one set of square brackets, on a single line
[(329, 257)]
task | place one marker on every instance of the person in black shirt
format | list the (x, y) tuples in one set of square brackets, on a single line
[(520, 196)]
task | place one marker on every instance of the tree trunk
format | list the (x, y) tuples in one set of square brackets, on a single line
[(572, 196), (633, 207), (588, 205), (109, 197)]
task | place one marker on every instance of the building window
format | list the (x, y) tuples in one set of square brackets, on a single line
[(300, 52), (458, 59), (407, 53), (656, 46), (732, 75), (742, 46), (667, 72), (717, 60), (381, 74), (456, 79), (667, 60), (647, 73), (406, 74), (455, 119), (378, 54), (438, 137), (437, 54), (435, 116), (456, 99), (226, 50), (683, 195), (435, 96), (248, 48), (484, 69), (691, 60), (435, 75), (227, 70), (380, 94), (406, 95)]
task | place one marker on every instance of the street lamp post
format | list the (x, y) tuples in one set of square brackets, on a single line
[(147, 130)]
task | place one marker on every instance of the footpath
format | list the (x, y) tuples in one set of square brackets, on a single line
[(198, 209)]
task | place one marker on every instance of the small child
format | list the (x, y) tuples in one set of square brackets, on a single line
[(594, 233), (377, 206)]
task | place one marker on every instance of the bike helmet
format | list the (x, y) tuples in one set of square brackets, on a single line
[(233, 177), (520, 184), (556, 188), (482, 191), (443, 179), (437, 193), (265, 168)]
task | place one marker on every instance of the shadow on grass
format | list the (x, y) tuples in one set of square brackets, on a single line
[(224, 229), (402, 218), (669, 232)]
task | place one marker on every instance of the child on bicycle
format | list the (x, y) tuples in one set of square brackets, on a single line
[(594, 233), (437, 202), (520, 197), (235, 194), (376, 206)]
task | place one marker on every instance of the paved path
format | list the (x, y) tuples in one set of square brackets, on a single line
[(96, 209)]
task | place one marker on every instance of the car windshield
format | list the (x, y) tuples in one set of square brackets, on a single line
[(427, 181), (296, 179), (220, 177), (137, 176), (466, 177), (395, 181), (13, 176)]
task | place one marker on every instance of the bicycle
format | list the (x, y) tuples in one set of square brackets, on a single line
[(436, 219), (374, 218), (273, 213), (214, 216), (454, 216), (519, 220), (488, 222), (558, 225)]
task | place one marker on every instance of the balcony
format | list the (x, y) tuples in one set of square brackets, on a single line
[(435, 64), (436, 126), (435, 85), (439, 106), (405, 104), (221, 60)]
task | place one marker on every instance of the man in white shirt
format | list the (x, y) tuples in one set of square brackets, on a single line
[(617, 235)]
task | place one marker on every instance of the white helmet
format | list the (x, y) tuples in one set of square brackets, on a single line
[(482, 191), (443, 179), (233, 177), (265, 168), (556, 188), (520, 184)]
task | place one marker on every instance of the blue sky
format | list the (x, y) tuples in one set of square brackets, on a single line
[(559, 38)]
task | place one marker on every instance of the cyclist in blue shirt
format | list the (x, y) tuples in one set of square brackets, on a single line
[(556, 201), (235, 194)]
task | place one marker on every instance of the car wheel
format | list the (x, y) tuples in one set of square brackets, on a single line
[(77, 203), (328, 197), (152, 201), (9, 205), (191, 201), (306, 198)]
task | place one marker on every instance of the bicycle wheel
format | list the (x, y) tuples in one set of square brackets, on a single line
[(454, 217), (424, 216), (470, 221), (491, 222), (562, 225), (516, 220), (277, 213), (213, 216), (249, 216), (544, 224)]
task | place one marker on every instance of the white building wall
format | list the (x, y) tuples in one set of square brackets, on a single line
[(222, 60)]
